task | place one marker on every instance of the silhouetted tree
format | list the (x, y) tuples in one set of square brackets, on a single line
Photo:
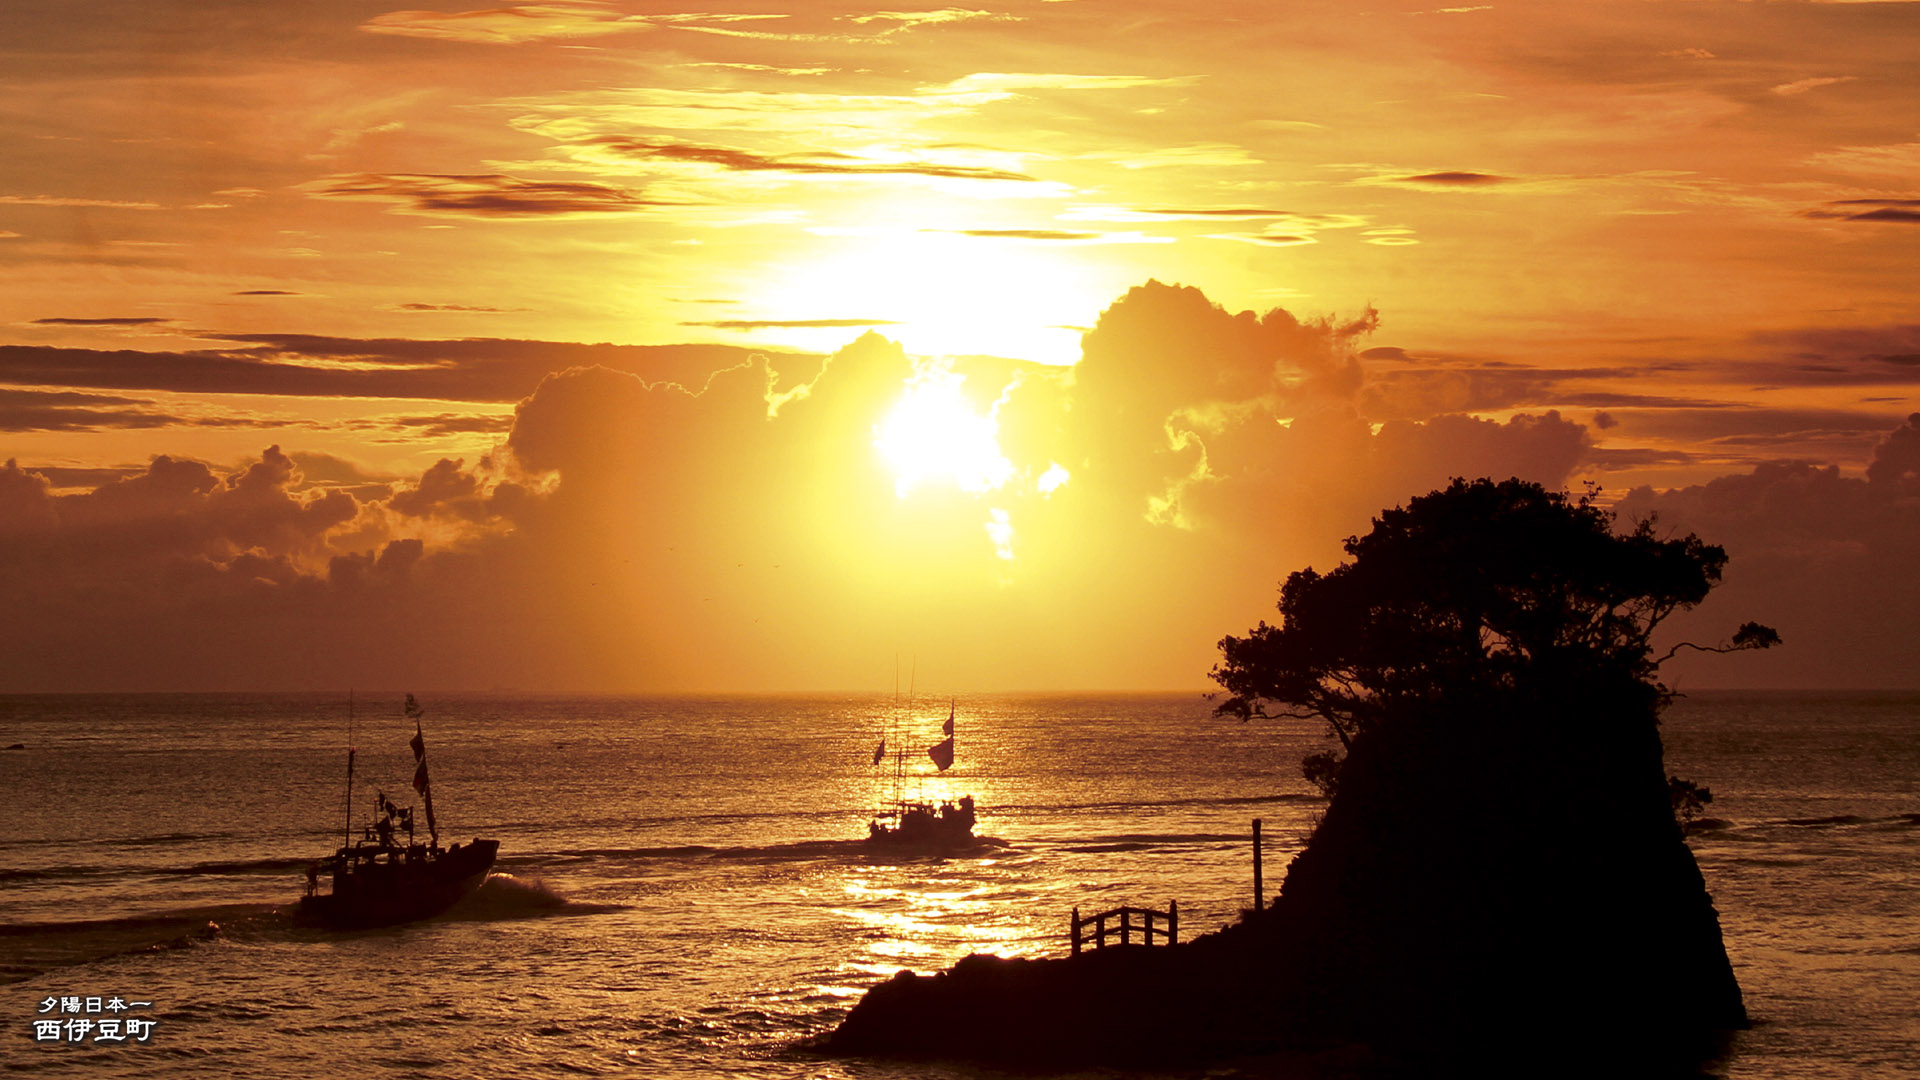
[(1466, 593), (1689, 800)]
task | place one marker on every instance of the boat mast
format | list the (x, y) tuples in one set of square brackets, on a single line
[(420, 782), (906, 729), (348, 841), (899, 735)]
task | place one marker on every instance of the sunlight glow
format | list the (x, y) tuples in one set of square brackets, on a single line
[(1000, 531), (911, 262), (934, 434), (1055, 476)]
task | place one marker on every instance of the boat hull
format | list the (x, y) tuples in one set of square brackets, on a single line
[(390, 893), (924, 826)]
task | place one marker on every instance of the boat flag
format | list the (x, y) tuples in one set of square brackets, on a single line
[(942, 753), (880, 751), (419, 744)]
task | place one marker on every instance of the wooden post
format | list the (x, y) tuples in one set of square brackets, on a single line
[(1126, 926), (1259, 889), (1076, 931), (1173, 921)]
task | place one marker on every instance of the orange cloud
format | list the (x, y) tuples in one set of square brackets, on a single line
[(514, 24), (489, 195), (818, 163)]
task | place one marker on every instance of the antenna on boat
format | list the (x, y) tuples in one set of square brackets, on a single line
[(348, 842)]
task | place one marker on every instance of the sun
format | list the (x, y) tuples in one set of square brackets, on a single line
[(909, 265), (934, 434)]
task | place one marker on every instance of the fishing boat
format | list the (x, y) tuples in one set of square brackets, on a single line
[(921, 824), (385, 878)]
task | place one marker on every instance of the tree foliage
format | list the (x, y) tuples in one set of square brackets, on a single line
[(1468, 593), (1689, 800)]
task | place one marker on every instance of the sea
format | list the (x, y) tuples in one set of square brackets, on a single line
[(683, 890)]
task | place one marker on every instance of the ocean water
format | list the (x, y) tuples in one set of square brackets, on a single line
[(682, 890)]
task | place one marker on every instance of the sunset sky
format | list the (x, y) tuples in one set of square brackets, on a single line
[(618, 346)]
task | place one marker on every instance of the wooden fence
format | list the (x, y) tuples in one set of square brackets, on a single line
[(1124, 923)]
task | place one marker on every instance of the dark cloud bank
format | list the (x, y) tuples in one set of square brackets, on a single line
[(472, 369), (731, 527)]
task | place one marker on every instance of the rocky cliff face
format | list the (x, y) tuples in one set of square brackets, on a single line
[(1506, 868)]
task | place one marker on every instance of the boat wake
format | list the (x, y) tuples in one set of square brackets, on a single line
[(30, 949), (504, 896)]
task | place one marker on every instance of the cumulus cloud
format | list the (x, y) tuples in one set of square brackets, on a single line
[(181, 508), (188, 574), (1831, 561), (448, 488), (712, 518), (331, 470), (1221, 418)]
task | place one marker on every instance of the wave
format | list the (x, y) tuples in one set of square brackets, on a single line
[(549, 858), (1104, 849), (163, 838), (1830, 821), (799, 849), (239, 866), (55, 873), (230, 867), (29, 949), (116, 841), (1197, 800), (1169, 838)]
